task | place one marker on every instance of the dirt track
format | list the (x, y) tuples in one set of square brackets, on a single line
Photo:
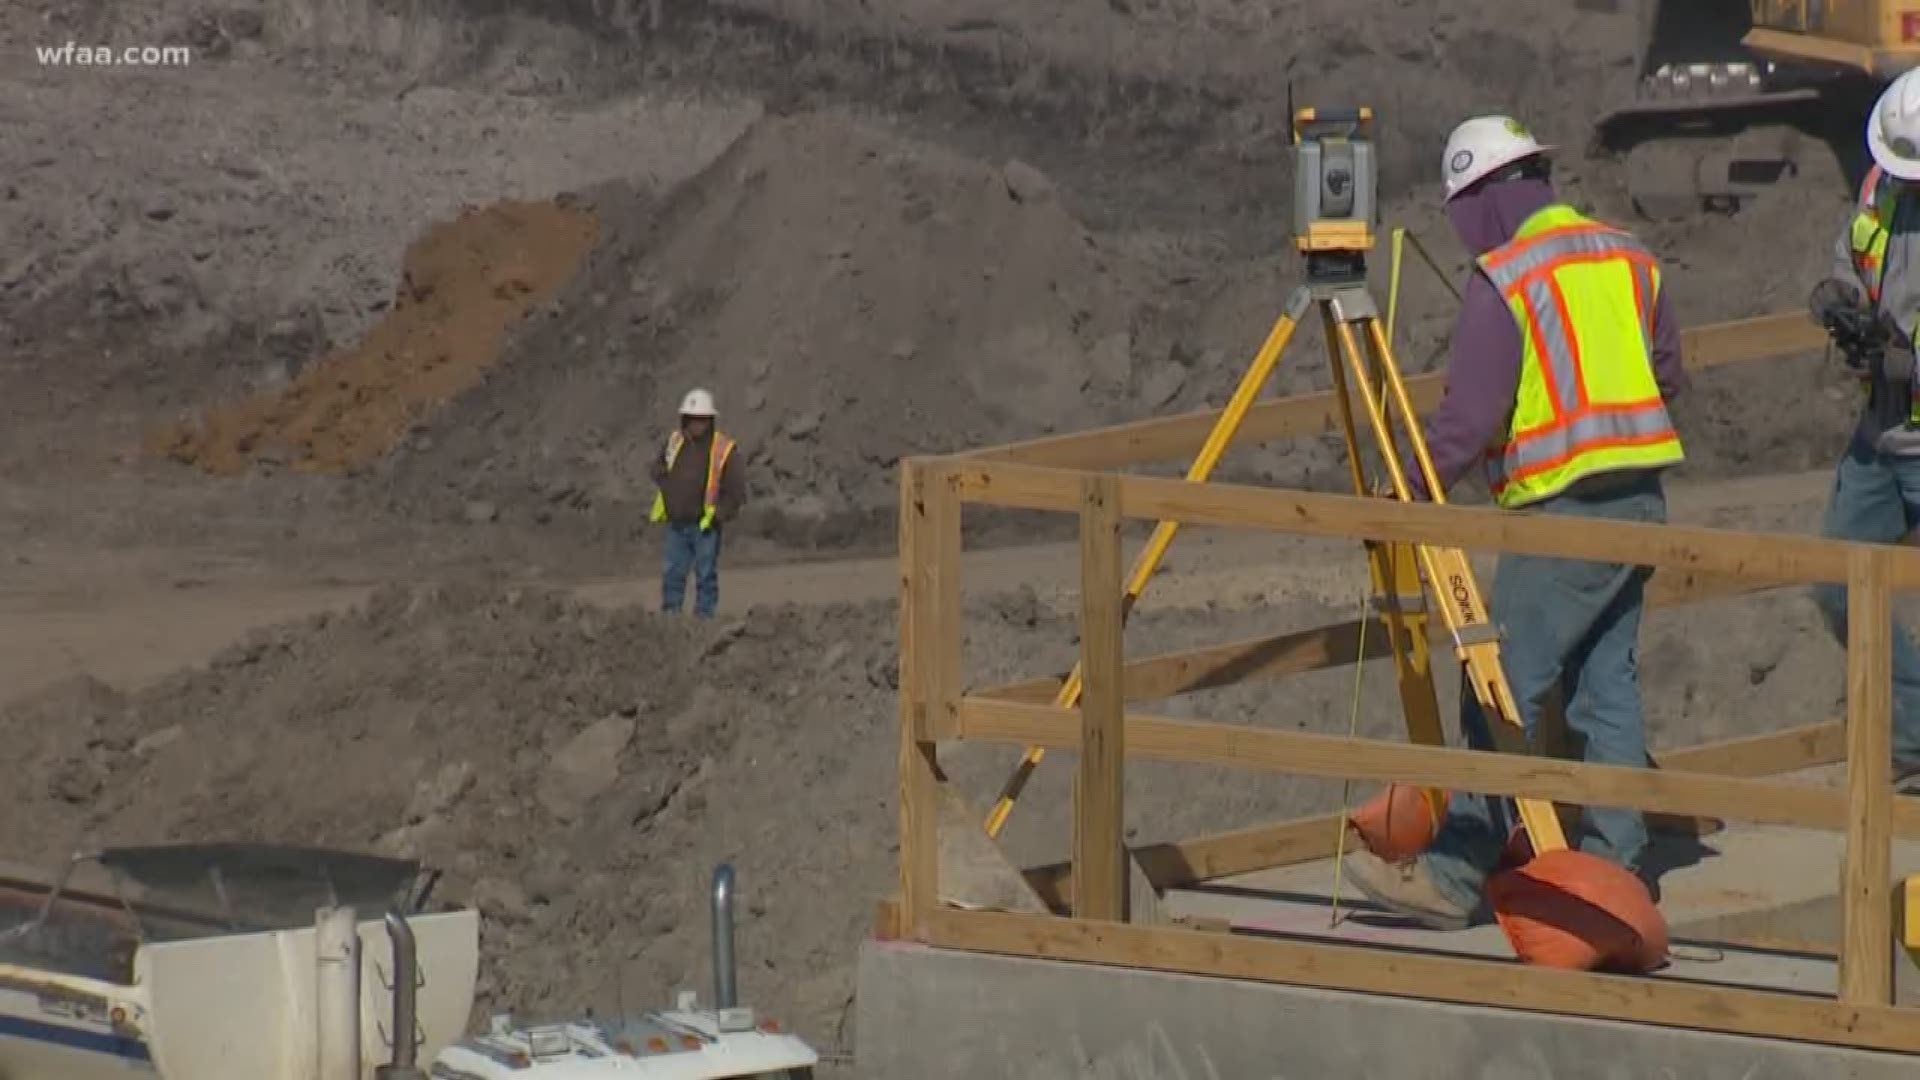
[(78, 617), (876, 230)]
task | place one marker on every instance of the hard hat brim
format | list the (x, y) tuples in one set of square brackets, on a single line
[(1545, 150), (1903, 168)]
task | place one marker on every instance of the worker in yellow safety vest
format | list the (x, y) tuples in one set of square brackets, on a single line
[(698, 493), (1869, 303), (1565, 355)]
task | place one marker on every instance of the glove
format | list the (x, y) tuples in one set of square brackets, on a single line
[(1832, 300), (1859, 333)]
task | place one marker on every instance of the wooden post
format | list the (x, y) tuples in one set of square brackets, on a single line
[(940, 614), (1099, 855), (919, 775), (1866, 953)]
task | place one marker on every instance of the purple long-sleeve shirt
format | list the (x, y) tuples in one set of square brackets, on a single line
[(1483, 372)]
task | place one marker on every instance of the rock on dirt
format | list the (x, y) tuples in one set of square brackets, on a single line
[(582, 770)]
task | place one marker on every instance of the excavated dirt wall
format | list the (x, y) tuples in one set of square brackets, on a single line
[(853, 296), (1155, 133)]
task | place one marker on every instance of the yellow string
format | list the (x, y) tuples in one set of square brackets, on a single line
[(1393, 280), (1346, 786)]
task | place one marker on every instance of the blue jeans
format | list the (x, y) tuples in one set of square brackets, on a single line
[(689, 548), (1876, 499), (1571, 625)]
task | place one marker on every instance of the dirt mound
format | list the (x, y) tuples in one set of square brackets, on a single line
[(848, 294), (577, 773), (557, 761), (464, 286)]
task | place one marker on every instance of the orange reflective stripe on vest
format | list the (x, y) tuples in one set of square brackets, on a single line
[(1583, 297), (1872, 225)]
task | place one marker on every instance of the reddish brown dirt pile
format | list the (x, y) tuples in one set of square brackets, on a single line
[(465, 285)]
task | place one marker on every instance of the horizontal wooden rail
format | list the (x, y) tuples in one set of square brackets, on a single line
[(1156, 678), (1199, 742), (1776, 558), (1169, 438), (1297, 652), (1176, 863), (1502, 984)]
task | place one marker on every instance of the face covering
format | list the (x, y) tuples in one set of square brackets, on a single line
[(1488, 216)]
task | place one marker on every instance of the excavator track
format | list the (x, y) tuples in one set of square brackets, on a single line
[(1687, 156), (1712, 124)]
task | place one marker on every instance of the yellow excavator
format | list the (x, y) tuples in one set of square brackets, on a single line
[(1730, 93)]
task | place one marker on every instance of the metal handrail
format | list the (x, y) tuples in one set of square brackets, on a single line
[(405, 984), (723, 965)]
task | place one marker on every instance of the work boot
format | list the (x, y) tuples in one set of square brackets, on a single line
[(1406, 888)]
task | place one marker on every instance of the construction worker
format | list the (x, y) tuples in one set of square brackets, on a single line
[(1869, 303), (698, 494), (1564, 356)]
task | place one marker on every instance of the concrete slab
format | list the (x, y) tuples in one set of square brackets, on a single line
[(1772, 889), (930, 1014)]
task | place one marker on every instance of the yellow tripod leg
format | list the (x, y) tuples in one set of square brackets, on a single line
[(1397, 591), (1148, 562), (1476, 639)]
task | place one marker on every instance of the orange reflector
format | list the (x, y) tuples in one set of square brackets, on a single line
[(689, 1042), (770, 1025), (657, 1044), (1569, 909), (1398, 823)]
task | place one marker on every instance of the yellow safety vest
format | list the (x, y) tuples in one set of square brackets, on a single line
[(1867, 240), (1583, 295), (717, 456)]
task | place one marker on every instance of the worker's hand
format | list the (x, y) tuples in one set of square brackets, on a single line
[(1832, 300)]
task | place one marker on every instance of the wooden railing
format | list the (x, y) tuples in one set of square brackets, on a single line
[(1723, 780)]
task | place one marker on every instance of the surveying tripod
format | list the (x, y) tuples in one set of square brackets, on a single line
[(1333, 229)]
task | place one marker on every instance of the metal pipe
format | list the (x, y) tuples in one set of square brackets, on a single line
[(723, 970), (405, 984), (337, 993)]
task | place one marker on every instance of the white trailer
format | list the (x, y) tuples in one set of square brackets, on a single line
[(251, 962), (229, 962)]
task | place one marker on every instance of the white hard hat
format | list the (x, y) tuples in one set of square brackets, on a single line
[(1893, 131), (1482, 146), (697, 403)]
